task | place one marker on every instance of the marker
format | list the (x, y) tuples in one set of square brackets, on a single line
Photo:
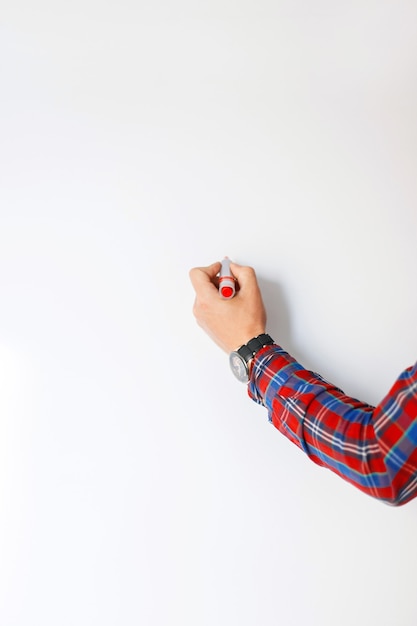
[(227, 282)]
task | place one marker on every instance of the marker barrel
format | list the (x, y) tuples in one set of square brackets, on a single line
[(227, 283)]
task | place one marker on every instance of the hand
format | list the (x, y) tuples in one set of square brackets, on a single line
[(230, 323)]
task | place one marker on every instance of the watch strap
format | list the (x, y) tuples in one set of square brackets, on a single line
[(249, 349)]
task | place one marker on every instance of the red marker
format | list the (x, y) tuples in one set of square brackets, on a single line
[(227, 282)]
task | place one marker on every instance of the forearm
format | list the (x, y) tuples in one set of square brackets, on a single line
[(374, 448)]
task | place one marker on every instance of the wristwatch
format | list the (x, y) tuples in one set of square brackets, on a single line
[(241, 359)]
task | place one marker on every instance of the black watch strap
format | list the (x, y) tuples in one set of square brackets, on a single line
[(249, 349)]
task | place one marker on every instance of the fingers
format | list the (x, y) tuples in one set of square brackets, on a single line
[(246, 277), (203, 278)]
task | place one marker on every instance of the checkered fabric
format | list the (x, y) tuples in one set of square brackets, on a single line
[(374, 448)]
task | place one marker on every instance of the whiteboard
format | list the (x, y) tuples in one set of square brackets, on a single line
[(138, 482)]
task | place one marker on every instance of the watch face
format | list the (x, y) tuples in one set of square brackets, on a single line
[(239, 367)]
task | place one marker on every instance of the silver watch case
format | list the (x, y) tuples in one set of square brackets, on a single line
[(239, 367), (240, 360)]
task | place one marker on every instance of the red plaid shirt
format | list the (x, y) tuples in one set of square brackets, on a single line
[(374, 448)]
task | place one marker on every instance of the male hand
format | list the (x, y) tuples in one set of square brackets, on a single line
[(230, 323)]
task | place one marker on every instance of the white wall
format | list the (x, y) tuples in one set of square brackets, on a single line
[(138, 483)]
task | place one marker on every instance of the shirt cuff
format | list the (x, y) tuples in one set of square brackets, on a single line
[(272, 367)]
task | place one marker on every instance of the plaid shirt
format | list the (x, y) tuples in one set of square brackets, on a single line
[(374, 448)]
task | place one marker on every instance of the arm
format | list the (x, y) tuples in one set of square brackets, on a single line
[(374, 448)]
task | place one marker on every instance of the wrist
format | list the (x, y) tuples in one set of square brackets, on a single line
[(244, 338)]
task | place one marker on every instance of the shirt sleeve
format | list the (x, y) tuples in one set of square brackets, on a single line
[(373, 448)]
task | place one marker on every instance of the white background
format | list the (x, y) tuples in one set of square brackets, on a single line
[(138, 483)]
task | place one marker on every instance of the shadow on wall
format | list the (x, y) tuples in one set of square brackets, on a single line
[(278, 317)]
